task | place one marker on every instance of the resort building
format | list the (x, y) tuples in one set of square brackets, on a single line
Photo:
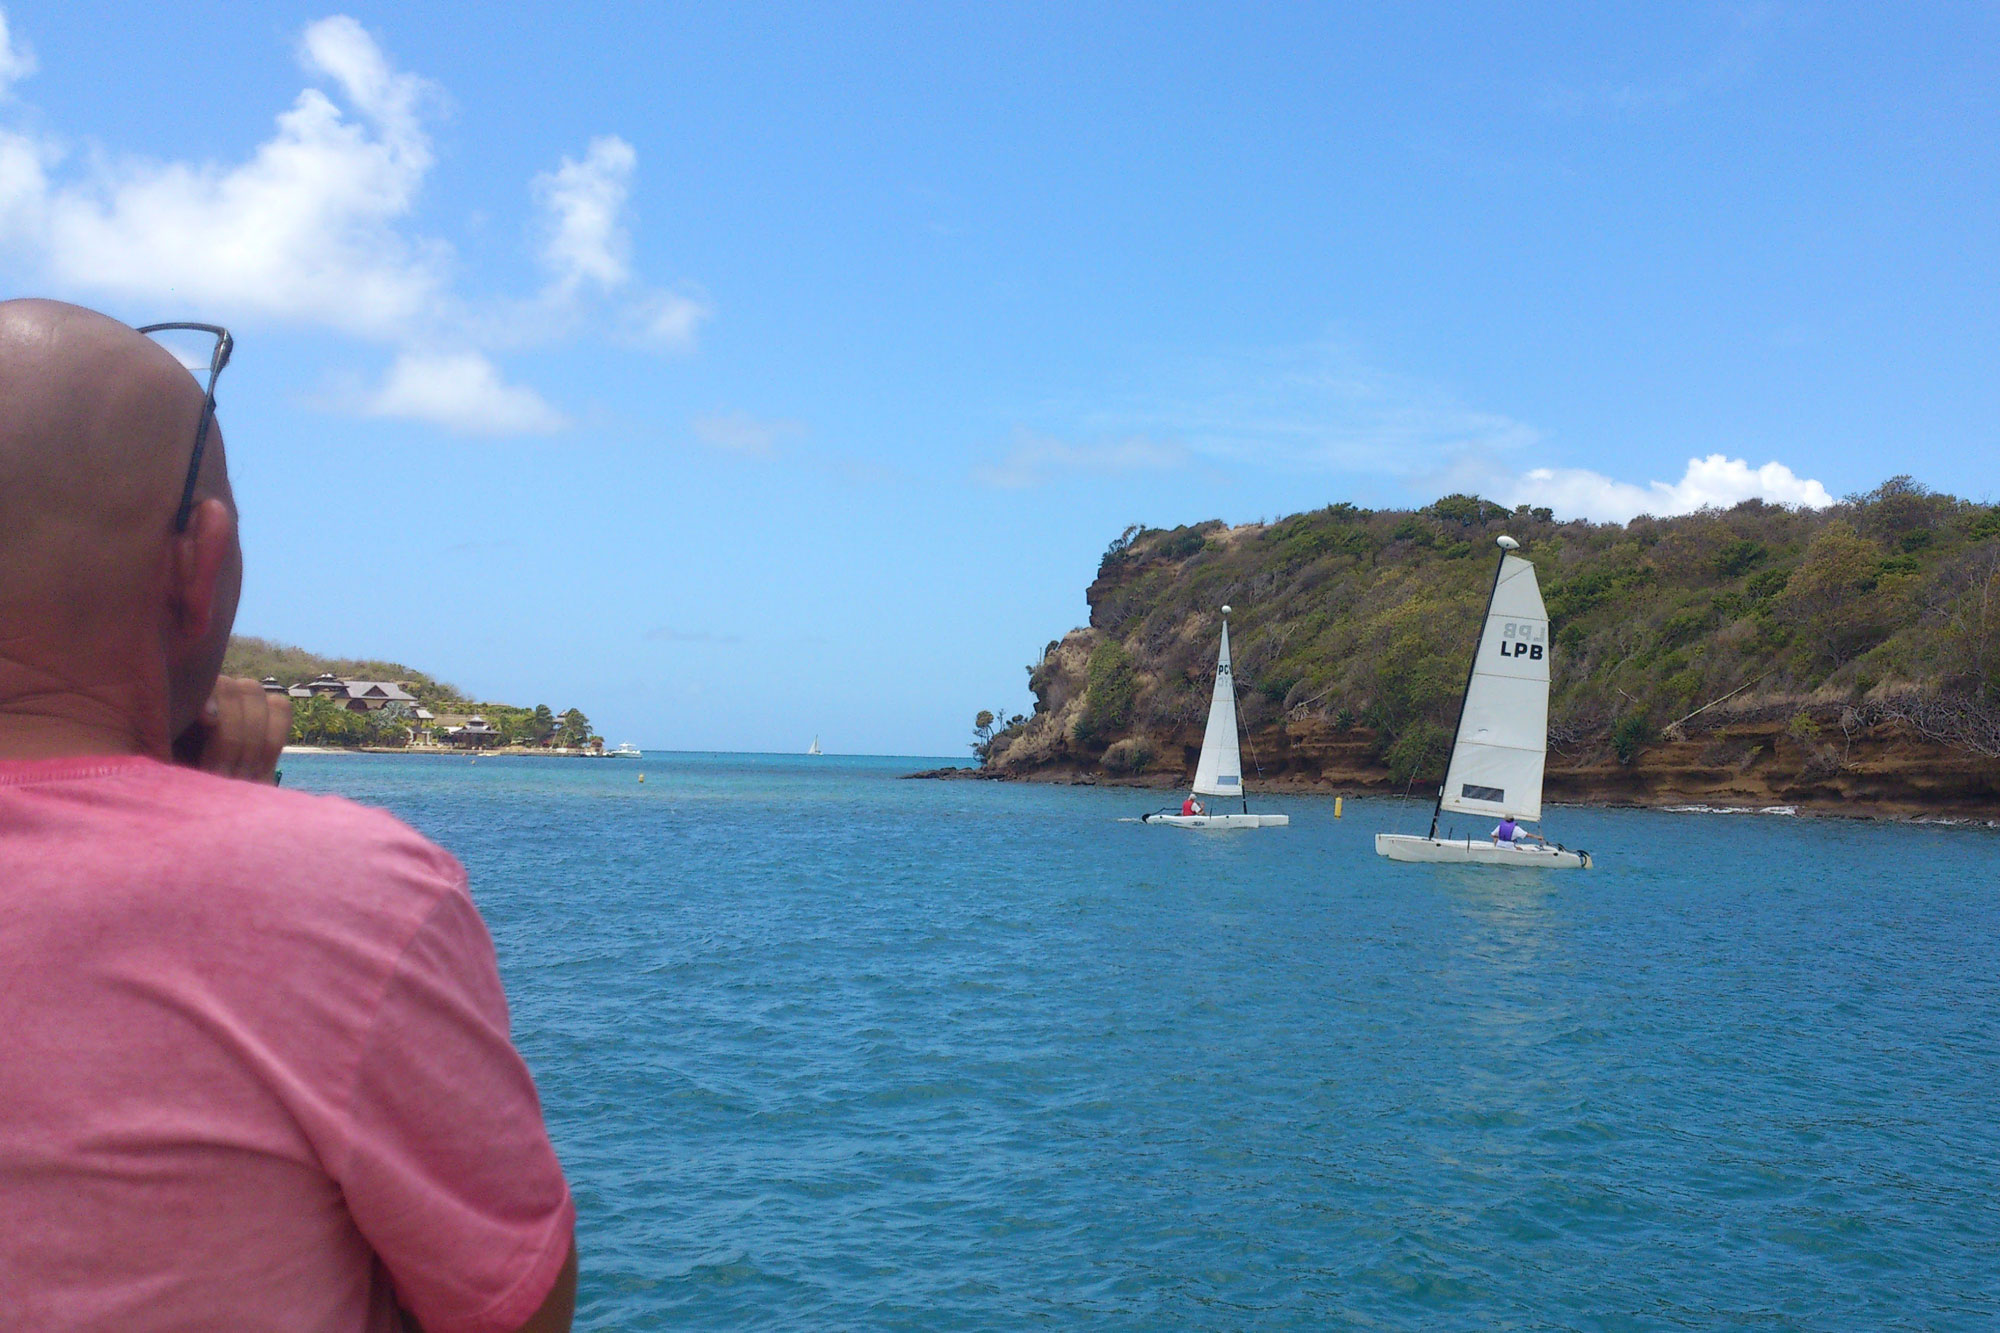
[(366, 696), (475, 734), (356, 696)]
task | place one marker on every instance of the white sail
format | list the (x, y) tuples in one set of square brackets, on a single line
[(1220, 771), (814, 747), (1503, 731)]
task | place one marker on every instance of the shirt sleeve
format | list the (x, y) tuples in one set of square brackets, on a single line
[(449, 1173)]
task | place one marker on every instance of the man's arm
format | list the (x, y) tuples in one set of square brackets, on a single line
[(560, 1307), (448, 1170), (556, 1314)]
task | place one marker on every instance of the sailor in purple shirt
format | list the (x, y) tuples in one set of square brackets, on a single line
[(1509, 834)]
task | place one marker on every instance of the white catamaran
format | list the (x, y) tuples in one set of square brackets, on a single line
[(1220, 770), (1503, 735)]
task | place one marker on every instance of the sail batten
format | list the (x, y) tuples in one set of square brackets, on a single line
[(1501, 748), (1220, 769)]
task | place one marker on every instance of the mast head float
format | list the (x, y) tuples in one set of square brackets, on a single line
[(1507, 543), (1225, 610)]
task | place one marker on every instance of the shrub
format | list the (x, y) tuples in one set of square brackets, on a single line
[(1112, 687), (1740, 557), (1414, 529), (1768, 584), (1122, 543), (1466, 510), (1418, 752), (1628, 735), (1131, 755), (1682, 626)]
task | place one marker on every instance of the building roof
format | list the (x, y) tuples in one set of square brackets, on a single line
[(378, 689)]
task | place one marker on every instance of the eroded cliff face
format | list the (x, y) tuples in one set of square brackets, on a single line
[(1753, 759), (1835, 749)]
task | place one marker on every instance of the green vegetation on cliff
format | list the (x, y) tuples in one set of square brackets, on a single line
[(1886, 605)]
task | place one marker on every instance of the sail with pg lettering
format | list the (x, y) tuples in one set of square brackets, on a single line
[(1219, 771)]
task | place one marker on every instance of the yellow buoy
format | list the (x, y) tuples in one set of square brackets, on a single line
[(642, 777), (1336, 807)]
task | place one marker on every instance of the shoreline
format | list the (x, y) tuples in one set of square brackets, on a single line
[(510, 751), (1941, 815)]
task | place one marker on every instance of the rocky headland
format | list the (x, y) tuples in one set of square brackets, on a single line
[(1839, 661)]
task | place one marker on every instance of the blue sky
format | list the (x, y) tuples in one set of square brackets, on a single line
[(740, 373)]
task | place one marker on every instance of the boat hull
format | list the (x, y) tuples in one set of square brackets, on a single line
[(1458, 851), (1219, 821)]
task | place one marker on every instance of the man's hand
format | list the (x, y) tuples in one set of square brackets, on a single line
[(240, 732)]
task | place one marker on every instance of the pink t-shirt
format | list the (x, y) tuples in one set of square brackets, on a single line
[(254, 1068)]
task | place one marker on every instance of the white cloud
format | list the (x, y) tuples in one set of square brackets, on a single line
[(17, 62), (1036, 458), (306, 230), (585, 203), (316, 228), (461, 391), (666, 320), (738, 432), (1716, 481), (588, 248), (23, 184)]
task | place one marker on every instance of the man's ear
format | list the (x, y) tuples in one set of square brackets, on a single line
[(200, 555)]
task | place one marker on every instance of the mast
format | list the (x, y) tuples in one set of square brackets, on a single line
[(1235, 713), (1506, 544)]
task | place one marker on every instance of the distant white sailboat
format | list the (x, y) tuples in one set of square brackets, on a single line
[(1220, 769), (814, 747), (1502, 744)]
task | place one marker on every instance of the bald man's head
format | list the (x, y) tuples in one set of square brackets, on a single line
[(97, 425)]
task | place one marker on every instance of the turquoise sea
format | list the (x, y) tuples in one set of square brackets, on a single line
[(824, 1049)]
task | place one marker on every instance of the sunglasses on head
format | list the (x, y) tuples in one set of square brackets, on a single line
[(185, 349)]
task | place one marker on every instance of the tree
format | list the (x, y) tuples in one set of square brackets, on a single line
[(1466, 510), (1899, 507), (388, 725), (321, 721), (1122, 543), (1966, 611), (575, 731), (987, 728), (1830, 598), (542, 725)]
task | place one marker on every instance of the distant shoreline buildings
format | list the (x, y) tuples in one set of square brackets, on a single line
[(424, 728)]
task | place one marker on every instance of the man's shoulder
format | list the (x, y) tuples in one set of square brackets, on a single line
[(304, 839)]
